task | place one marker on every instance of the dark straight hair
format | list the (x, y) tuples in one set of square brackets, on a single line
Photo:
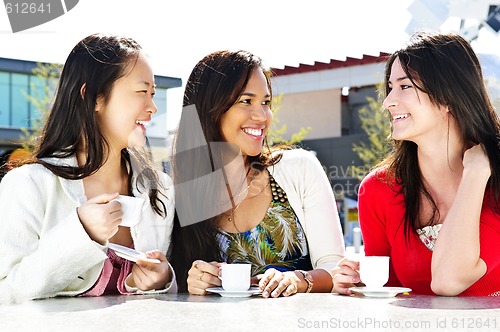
[(445, 67), (90, 71)]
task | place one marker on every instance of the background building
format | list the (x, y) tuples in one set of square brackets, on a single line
[(327, 98)]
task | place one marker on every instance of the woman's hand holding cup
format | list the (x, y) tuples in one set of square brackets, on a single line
[(203, 275)]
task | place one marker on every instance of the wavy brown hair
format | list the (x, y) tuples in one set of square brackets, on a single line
[(215, 84)]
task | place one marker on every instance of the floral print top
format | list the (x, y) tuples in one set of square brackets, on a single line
[(428, 235), (278, 241)]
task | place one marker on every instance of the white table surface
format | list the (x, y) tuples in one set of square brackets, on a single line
[(181, 312)]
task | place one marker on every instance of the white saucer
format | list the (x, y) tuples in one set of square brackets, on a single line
[(225, 293), (380, 291), (131, 254)]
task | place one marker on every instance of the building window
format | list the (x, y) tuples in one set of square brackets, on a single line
[(16, 109), (20, 107), (41, 92), (4, 99)]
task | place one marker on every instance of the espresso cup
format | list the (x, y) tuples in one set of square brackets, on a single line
[(374, 270), (132, 208), (236, 277)]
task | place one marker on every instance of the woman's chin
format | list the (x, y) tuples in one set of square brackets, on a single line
[(247, 154), (137, 142)]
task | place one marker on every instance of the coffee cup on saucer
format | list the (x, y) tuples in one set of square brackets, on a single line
[(235, 277), (374, 270)]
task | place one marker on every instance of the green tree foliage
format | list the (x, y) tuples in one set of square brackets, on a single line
[(42, 88), (376, 124), (276, 132)]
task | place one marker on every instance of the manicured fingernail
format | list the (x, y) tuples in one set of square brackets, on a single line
[(265, 294)]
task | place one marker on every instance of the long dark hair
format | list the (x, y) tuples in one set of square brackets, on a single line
[(96, 62), (445, 67), (215, 84)]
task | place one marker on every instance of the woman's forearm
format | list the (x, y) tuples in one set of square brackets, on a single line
[(455, 260)]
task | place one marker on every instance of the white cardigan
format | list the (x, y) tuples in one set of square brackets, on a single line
[(310, 194), (44, 249)]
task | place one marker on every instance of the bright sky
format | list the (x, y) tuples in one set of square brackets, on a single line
[(178, 33)]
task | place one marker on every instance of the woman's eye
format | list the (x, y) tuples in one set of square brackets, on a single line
[(245, 101), (267, 102), (404, 87)]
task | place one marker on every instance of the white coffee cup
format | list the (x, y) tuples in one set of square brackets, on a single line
[(132, 208), (374, 270), (236, 277)]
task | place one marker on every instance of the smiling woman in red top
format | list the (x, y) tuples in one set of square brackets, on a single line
[(432, 205)]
